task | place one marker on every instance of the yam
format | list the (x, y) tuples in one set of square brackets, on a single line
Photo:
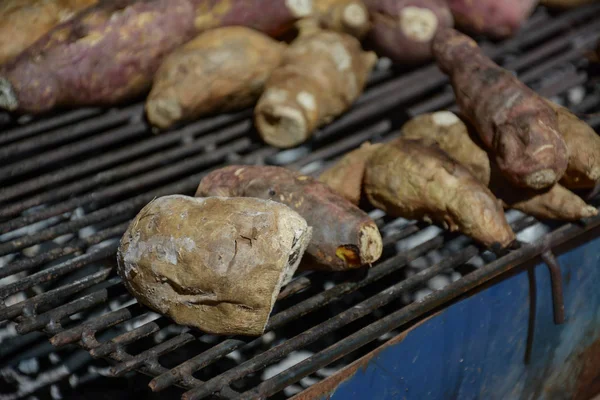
[(321, 75), (346, 175), (513, 122), (343, 237), (215, 264), (498, 19), (348, 16), (557, 202), (68, 66), (22, 22), (223, 69), (403, 29), (413, 180)]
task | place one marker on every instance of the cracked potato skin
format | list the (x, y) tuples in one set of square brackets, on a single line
[(216, 264), (513, 122), (344, 237), (223, 69), (412, 180)]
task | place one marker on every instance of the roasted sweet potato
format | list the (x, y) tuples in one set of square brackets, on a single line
[(455, 139), (403, 29), (343, 237), (348, 16), (22, 22), (414, 180), (513, 122), (346, 175), (322, 74), (215, 264), (583, 144), (223, 69), (450, 133), (68, 66), (494, 18)]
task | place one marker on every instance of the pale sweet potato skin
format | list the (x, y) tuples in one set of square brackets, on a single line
[(413, 180), (68, 66), (583, 144), (348, 16), (346, 175), (223, 69), (512, 121), (344, 237), (497, 19), (322, 74), (22, 22), (403, 29), (215, 264)]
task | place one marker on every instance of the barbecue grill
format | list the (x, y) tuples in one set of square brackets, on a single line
[(71, 181)]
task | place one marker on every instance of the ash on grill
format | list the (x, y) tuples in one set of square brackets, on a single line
[(72, 181)]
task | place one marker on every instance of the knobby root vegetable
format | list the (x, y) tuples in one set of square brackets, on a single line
[(321, 75), (216, 264), (413, 180), (494, 18), (344, 236), (222, 69), (450, 134), (68, 66), (348, 16), (557, 202), (346, 175), (515, 123), (403, 29), (22, 22), (583, 144)]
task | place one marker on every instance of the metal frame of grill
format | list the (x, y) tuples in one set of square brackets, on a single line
[(110, 165)]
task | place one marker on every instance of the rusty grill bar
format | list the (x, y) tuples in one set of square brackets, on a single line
[(95, 168)]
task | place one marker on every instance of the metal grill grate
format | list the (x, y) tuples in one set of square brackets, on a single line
[(72, 181)]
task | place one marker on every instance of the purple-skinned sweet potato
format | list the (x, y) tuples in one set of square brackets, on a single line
[(402, 30), (109, 53), (513, 122), (344, 237), (494, 18)]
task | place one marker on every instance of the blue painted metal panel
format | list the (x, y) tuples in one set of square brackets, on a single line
[(475, 349)]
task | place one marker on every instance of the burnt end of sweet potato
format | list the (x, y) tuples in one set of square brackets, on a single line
[(344, 237), (512, 121)]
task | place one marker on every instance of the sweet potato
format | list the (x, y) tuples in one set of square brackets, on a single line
[(494, 18), (403, 29), (413, 180), (343, 237), (22, 22), (565, 3), (348, 16), (346, 175), (513, 122), (583, 144), (450, 133), (68, 66), (222, 69), (322, 74), (557, 202), (215, 264)]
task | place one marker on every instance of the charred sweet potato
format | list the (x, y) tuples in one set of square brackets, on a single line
[(494, 18), (322, 74), (222, 69), (403, 29), (343, 236), (513, 122), (413, 180), (348, 16), (346, 175), (22, 22), (554, 203), (110, 52), (215, 264), (583, 144)]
